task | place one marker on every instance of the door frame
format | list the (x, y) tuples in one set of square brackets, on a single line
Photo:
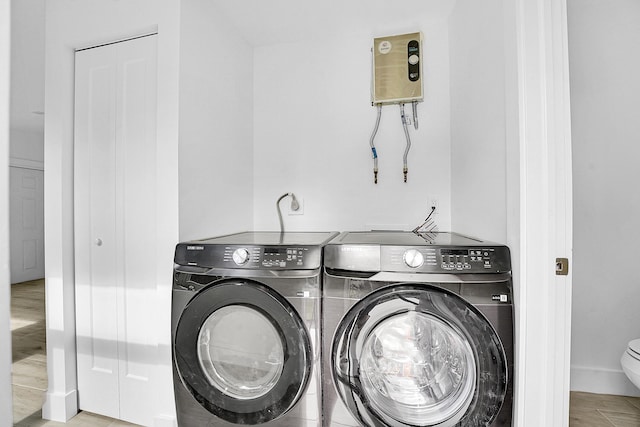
[(538, 186), (543, 208), (6, 406), (98, 27)]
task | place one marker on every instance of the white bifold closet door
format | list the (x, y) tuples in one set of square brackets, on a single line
[(115, 228)]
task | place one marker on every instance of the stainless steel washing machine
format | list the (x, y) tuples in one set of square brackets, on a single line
[(246, 330), (417, 331)]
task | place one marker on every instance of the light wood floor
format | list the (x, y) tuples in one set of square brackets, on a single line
[(603, 410), (30, 376), (30, 361)]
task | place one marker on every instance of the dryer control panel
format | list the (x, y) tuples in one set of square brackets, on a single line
[(267, 257)]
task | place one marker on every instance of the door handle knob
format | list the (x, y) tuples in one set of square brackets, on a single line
[(98, 242)]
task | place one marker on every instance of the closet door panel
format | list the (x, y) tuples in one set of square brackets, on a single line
[(136, 135), (95, 231), (115, 228)]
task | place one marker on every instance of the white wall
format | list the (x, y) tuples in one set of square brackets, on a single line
[(26, 130), (312, 122), (604, 38), (27, 83), (70, 25), (6, 409), (27, 148), (216, 124), (478, 122)]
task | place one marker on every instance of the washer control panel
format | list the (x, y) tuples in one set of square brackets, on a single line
[(494, 259), (249, 257)]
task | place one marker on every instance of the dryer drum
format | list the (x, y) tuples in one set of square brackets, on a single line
[(418, 355), (243, 352)]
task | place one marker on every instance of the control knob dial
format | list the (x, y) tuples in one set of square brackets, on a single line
[(413, 258), (241, 256)]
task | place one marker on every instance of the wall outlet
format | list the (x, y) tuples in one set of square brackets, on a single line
[(431, 202), (300, 210)]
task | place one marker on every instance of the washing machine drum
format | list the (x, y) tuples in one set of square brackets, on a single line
[(243, 352), (418, 355)]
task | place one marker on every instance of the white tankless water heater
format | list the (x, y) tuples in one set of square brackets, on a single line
[(397, 69)]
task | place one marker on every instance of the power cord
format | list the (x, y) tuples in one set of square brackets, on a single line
[(429, 225), (295, 205)]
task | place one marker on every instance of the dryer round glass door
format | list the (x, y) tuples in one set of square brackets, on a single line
[(418, 355), (243, 351)]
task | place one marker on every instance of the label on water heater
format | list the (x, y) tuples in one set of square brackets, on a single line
[(384, 47)]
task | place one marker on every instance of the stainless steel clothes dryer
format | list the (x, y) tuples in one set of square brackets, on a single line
[(246, 330), (417, 331)]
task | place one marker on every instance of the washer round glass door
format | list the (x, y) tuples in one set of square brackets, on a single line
[(418, 355), (243, 351)]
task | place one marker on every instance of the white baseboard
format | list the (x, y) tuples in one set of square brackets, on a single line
[(165, 421), (602, 381), (60, 407)]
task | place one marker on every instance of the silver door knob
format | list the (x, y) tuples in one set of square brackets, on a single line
[(98, 242)]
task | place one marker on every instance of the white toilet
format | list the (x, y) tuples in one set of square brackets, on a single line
[(631, 362)]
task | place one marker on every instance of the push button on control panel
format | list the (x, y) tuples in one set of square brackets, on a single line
[(456, 259), (281, 257), (467, 259)]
